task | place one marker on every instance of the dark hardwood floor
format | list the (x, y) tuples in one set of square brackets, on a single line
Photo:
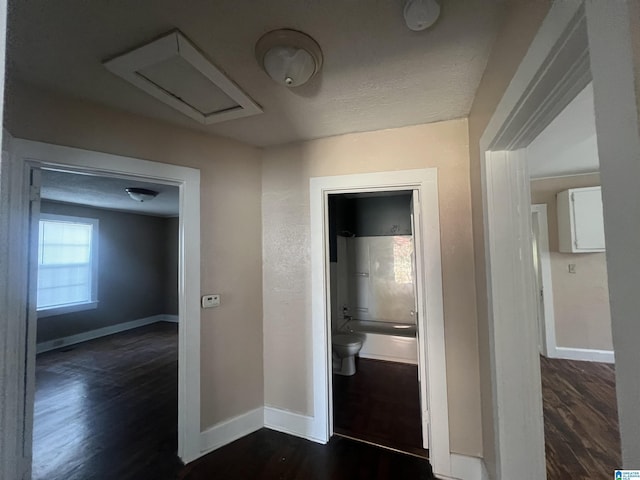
[(380, 404), (266, 455), (107, 408), (582, 438)]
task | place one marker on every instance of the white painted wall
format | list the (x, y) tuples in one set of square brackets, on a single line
[(568, 145), (380, 278), (611, 27)]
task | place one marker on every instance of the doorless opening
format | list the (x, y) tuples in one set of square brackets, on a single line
[(373, 323), (430, 332), (109, 299), (28, 156)]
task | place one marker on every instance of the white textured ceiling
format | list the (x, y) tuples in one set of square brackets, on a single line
[(376, 74), (569, 143), (108, 192)]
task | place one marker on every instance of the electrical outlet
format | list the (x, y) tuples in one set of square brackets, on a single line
[(209, 301)]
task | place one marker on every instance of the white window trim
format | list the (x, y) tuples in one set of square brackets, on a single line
[(93, 303)]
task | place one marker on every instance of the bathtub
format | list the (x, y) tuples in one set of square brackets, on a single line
[(395, 342)]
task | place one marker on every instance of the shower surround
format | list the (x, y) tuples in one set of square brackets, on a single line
[(373, 283)]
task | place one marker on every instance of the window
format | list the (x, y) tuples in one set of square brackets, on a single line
[(67, 264)]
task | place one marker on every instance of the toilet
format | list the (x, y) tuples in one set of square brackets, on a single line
[(345, 348)]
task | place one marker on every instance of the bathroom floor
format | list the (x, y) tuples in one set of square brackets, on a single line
[(380, 404)]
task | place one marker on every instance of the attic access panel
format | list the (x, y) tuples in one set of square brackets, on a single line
[(174, 71)]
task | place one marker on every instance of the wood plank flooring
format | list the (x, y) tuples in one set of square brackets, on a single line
[(107, 408), (380, 404), (582, 438), (267, 454)]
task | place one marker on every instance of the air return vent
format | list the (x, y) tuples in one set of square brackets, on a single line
[(174, 71)]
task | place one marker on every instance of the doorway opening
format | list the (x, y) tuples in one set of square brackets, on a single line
[(572, 294), (376, 392), (571, 48), (423, 185), (25, 160), (107, 326)]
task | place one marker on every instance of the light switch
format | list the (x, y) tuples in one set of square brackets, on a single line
[(572, 268), (209, 301)]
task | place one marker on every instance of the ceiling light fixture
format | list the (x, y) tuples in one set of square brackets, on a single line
[(289, 57), (421, 14), (141, 194)]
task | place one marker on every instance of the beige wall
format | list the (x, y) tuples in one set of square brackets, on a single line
[(519, 26), (287, 270), (580, 300), (634, 23), (231, 336)]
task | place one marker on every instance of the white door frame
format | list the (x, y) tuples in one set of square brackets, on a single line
[(430, 299), (549, 326), (30, 154), (574, 45)]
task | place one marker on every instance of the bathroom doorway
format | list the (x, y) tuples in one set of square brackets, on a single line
[(376, 390), (434, 415)]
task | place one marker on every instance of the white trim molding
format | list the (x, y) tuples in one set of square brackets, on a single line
[(228, 431), (293, 423), (553, 70), (14, 460), (432, 362), (583, 354), (468, 468), (29, 157), (613, 33), (549, 327), (515, 375), (102, 332)]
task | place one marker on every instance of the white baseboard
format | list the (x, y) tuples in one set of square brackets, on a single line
[(292, 423), (102, 332), (230, 430), (584, 354), (464, 467)]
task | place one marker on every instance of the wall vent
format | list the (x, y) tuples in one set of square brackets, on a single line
[(174, 71)]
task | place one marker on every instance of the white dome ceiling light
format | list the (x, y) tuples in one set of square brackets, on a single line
[(289, 57), (141, 194), (421, 14)]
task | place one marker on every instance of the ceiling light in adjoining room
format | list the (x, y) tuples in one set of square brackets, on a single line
[(421, 14), (141, 194), (289, 57)]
